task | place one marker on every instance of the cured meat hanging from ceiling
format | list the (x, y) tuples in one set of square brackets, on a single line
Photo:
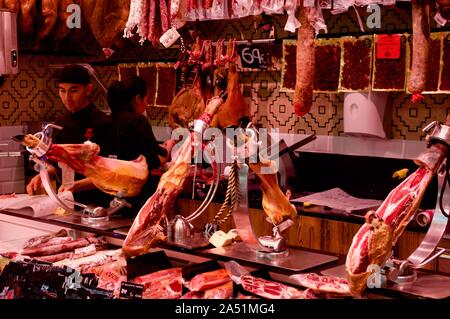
[(13, 5), (421, 49), (150, 19), (390, 61), (304, 83), (106, 19), (49, 15), (327, 68)]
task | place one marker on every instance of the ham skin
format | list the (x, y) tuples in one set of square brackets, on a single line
[(50, 15), (235, 106), (109, 175), (372, 244)]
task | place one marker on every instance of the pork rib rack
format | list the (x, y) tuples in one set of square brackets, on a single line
[(373, 242)]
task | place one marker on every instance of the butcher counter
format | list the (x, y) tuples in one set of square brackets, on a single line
[(321, 235)]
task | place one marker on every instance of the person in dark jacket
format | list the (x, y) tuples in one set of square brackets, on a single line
[(128, 100), (83, 122)]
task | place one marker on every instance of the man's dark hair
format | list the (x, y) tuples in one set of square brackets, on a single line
[(74, 73)]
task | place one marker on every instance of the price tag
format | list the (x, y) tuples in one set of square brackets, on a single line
[(253, 56), (131, 290), (388, 46)]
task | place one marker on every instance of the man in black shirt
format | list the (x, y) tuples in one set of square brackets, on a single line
[(83, 122)]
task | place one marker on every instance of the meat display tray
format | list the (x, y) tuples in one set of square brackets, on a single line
[(112, 223), (296, 260), (428, 284)]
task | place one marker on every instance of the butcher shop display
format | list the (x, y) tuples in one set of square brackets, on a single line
[(268, 72), (374, 241), (112, 176), (146, 230)]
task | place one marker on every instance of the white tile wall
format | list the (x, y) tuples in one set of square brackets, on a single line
[(12, 171)]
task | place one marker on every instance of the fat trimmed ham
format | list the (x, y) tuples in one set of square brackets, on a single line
[(112, 176), (372, 244)]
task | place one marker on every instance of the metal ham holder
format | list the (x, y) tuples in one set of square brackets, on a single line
[(266, 250), (90, 215), (404, 271)]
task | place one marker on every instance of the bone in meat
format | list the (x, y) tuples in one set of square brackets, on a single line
[(107, 19), (323, 284), (421, 48), (186, 106), (146, 229), (109, 175), (235, 106), (373, 242), (275, 204)]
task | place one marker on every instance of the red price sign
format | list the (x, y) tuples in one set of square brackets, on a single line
[(388, 46)]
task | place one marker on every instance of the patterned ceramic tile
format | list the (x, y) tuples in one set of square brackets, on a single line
[(32, 96)]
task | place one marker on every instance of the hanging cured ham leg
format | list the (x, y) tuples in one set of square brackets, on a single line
[(373, 242), (304, 84), (50, 14), (109, 175), (235, 106), (28, 8), (421, 48), (12, 5), (275, 204), (146, 229), (107, 19)]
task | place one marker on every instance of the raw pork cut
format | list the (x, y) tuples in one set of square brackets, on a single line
[(207, 280)]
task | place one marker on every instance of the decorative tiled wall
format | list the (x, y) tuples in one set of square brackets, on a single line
[(31, 95)]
